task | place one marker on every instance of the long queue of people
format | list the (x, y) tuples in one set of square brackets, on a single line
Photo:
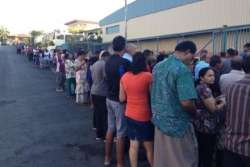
[(187, 109), (184, 112)]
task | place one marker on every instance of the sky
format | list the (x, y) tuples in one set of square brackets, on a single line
[(22, 16)]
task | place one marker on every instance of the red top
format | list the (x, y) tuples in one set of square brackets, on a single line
[(136, 88)]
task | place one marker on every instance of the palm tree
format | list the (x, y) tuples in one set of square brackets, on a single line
[(34, 34), (4, 33)]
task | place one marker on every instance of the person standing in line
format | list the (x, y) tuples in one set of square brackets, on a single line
[(135, 91), (226, 67), (46, 58), (130, 51), (208, 121), (80, 65), (70, 74), (235, 74), (35, 56), (201, 64), (237, 124), (216, 64), (173, 106), (246, 50), (92, 59), (161, 57), (226, 80), (79, 86), (150, 59), (99, 91), (60, 72), (30, 53), (115, 67)]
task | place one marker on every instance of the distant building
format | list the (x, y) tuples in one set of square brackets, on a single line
[(80, 26), (19, 38), (161, 24), (81, 30), (79, 33)]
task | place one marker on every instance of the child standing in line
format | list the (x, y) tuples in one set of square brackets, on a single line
[(60, 72), (70, 74), (80, 86), (81, 82)]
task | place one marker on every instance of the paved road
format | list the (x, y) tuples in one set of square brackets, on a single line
[(39, 127)]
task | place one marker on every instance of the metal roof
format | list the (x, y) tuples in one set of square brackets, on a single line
[(142, 8), (80, 21)]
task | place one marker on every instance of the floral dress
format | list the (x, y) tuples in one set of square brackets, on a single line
[(206, 122), (70, 69), (82, 86)]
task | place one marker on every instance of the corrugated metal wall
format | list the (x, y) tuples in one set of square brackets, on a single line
[(203, 15), (143, 7), (199, 16), (215, 42), (231, 38)]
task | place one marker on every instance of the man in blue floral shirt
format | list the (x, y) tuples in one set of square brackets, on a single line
[(172, 99)]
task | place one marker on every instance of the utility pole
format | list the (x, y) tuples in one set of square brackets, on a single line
[(126, 19)]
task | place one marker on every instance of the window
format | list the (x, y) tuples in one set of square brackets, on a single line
[(113, 29)]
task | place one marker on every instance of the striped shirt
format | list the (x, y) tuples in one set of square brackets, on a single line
[(237, 132)]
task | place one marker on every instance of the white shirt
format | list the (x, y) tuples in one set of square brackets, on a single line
[(57, 64), (230, 78), (128, 57)]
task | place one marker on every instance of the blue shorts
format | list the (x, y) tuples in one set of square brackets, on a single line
[(140, 131)]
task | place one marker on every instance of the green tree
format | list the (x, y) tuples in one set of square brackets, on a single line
[(34, 34), (3, 33), (26, 41), (51, 43), (39, 44)]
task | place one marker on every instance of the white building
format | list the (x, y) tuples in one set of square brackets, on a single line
[(160, 24)]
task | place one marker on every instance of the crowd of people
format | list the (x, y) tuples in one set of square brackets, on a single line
[(40, 57), (188, 108)]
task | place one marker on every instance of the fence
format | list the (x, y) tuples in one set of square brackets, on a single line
[(230, 38), (215, 41), (88, 46)]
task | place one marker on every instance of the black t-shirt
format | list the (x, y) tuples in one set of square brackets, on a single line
[(115, 67)]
